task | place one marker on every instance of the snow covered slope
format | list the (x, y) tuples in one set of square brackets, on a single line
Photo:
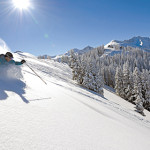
[(141, 42), (63, 116)]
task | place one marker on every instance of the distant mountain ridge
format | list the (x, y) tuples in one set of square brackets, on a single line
[(84, 50), (141, 42), (110, 48), (76, 51)]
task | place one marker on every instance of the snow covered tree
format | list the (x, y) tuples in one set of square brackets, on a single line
[(139, 105), (146, 88), (137, 85), (119, 82), (93, 79), (147, 93), (127, 82), (73, 65), (65, 59)]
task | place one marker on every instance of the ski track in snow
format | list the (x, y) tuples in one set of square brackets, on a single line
[(115, 106), (64, 116)]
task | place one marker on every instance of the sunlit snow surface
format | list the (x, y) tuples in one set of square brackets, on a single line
[(64, 116)]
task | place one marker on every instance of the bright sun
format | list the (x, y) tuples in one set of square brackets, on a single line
[(21, 4)]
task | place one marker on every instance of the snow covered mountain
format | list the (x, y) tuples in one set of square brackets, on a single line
[(114, 46), (141, 42), (84, 50), (111, 48), (77, 51), (62, 115)]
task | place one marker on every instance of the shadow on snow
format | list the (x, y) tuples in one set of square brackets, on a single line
[(13, 85)]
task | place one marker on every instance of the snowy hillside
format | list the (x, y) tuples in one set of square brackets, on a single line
[(141, 42), (62, 115)]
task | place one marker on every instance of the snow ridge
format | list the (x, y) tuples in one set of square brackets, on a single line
[(141, 42)]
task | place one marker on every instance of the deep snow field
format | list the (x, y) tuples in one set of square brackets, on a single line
[(62, 115)]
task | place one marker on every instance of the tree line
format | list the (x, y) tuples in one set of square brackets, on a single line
[(128, 72)]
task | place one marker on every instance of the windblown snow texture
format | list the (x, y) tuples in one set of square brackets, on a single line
[(8, 72)]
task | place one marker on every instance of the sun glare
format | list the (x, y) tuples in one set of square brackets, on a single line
[(21, 4)]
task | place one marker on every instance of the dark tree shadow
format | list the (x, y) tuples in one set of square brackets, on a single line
[(13, 85)]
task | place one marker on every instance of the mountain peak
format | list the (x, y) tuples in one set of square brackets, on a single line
[(137, 41), (87, 48)]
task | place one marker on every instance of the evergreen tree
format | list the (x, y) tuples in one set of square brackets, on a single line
[(119, 71), (127, 82), (73, 65), (137, 85), (119, 82), (92, 79), (146, 88), (147, 93)]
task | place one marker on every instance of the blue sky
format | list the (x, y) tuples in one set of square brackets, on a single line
[(55, 26)]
